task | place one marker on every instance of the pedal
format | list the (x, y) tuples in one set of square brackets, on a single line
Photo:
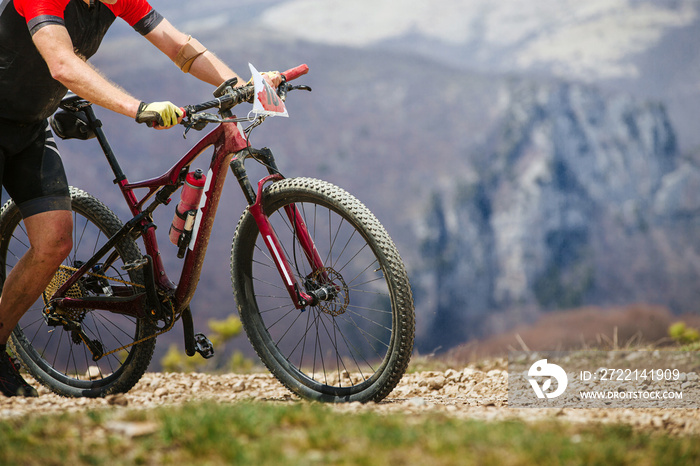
[(135, 264), (203, 346)]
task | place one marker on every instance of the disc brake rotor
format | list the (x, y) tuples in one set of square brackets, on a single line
[(329, 278)]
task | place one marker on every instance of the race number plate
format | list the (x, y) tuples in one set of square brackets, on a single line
[(266, 102)]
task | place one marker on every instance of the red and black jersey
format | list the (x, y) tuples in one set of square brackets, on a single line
[(28, 93), (40, 13)]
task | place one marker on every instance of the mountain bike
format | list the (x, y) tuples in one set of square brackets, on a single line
[(320, 287)]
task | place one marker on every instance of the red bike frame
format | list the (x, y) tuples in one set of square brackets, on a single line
[(230, 144)]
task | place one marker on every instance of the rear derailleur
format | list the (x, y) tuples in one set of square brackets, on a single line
[(74, 327)]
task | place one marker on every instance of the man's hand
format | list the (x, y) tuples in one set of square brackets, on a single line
[(159, 114), (272, 77)]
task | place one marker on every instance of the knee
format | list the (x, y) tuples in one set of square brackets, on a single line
[(62, 241), (55, 240), (63, 247), (54, 249)]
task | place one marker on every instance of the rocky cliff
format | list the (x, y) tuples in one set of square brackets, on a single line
[(582, 198)]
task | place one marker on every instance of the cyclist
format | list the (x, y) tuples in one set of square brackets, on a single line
[(44, 45)]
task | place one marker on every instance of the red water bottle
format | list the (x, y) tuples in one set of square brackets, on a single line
[(186, 209)]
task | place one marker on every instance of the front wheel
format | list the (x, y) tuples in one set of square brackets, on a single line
[(355, 344), (54, 353)]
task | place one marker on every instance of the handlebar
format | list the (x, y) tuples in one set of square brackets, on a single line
[(228, 97), (296, 72)]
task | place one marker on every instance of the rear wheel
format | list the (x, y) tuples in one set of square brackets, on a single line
[(355, 344), (53, 352)]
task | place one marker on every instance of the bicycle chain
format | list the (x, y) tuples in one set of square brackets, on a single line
[(172, 323), (137, 285), (73, 269)]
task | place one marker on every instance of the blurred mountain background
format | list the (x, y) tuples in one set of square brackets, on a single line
[(526, 157)]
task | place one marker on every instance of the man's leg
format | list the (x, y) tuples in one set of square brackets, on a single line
[(50, 237), (33, 176)]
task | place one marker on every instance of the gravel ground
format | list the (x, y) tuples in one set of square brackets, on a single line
[(468, 393)]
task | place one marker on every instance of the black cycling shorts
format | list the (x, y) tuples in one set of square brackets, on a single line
[(31, 169)]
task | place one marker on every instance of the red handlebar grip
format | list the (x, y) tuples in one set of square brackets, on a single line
[(294, 73)]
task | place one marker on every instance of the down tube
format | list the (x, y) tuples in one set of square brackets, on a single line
[(194, 259)]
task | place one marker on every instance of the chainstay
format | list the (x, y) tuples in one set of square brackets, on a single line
[(125, 282), (92, 274)]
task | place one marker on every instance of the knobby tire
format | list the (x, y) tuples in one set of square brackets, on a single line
[(52, 354), (354, 347)]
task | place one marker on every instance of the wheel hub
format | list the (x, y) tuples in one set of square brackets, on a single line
[(329, 290)]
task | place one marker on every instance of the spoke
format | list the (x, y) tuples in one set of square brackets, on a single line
[(303, 346), (362, 272), (281, 318), (266, 282), (366, 334), (353, 257), (281, 306), (370, 309), (96, 332), (333, 239), (294, 244), (290, 328), (356, 286), (33, 324), (351, 347), (77, 241), (24, 243), (335, 260), (264, 252), (51, 336), (304, 334), (320, 351), (101, 319), (87, 364), (335, 345), (338, 360)]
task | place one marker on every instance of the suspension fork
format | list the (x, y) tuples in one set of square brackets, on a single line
[(300, 298)]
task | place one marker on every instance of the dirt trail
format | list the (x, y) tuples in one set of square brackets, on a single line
[(469, 393)]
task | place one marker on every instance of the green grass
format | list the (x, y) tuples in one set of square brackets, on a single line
[(303, 434)]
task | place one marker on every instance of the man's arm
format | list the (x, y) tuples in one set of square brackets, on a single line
[(206, 67), (56, 47)]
